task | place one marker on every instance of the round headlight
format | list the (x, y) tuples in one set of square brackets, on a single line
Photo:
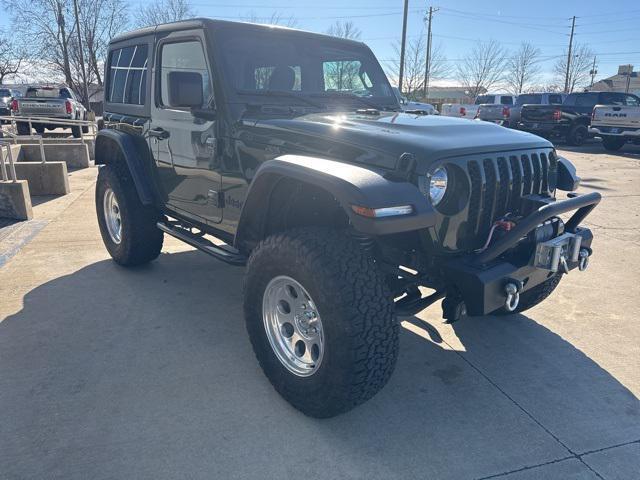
[(438, 180)]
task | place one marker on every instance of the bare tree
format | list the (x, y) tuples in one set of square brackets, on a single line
[(415, 54), (12, 57), (523, 68), (163, 11), (343, 75), (581, 59), (544, 87), (344, 30), (276, 18), (100, 20), (482, 68), (47, 33)]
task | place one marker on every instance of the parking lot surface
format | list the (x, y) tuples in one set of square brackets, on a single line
[(108, 373)]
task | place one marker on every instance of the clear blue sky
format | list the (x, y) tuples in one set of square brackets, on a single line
[(610, 28)]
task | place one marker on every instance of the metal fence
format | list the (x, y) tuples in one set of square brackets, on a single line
[(11, 173), (38, 139)]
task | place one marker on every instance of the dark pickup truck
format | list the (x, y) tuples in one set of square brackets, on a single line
[(287, 152), (570, 120)]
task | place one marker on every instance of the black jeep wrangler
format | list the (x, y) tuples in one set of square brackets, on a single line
[(287, 152)]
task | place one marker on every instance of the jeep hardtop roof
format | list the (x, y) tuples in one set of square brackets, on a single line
[(214, 24)]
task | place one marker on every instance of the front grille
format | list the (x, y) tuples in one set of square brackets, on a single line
[(499, 183)]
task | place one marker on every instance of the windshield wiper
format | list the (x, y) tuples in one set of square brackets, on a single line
[(282, 93), (350, 96)]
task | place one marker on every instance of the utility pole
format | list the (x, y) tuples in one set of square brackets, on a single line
[(81, 54), (427, 68), (593, 71), (404, 44), (566, 77)]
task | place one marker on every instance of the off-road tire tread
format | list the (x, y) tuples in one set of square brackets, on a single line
[(351, 280), (141, 238)]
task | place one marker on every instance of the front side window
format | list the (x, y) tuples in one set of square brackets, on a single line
[(127, 72), (184, 57), (485, 99)]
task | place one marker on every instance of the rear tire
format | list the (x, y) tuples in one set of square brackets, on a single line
[(76, 132), (360, 332), (23, 128), (128, 228), (613, 144), (578, 135), (533, 297)]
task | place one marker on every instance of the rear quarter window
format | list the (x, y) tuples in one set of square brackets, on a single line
[(127, 75)]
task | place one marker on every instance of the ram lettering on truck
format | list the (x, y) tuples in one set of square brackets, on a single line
[(617, 125)]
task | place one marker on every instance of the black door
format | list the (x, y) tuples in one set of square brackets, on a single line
[(186, 155)]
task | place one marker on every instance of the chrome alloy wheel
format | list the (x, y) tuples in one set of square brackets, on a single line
[(112, 216), (293, 326)]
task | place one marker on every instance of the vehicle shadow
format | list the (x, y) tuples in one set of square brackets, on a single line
[(148, 373), (628, 151)]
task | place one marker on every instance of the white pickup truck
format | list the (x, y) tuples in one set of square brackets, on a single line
[(59, 103), (616, 124), (470, 110)]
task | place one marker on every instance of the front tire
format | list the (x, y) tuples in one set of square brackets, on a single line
[(128, 228), (613, 144), (320, 280)]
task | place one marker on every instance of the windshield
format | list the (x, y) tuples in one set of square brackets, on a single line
[(482, 99), (36, 92), (331, 71), (529, 99)]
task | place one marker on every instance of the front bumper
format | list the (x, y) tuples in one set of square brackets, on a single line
[(481, 278), (627, 132)]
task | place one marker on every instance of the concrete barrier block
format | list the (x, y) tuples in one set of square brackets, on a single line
[(15, 201), (75, 155), (49, 178)]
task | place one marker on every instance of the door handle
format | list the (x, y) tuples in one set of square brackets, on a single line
[(159, 133)]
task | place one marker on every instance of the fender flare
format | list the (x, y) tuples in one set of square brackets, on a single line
[(568, 179), (135, 152), (349, 184)]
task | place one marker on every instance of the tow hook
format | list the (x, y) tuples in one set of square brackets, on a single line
[(512, 289), (583, 259)]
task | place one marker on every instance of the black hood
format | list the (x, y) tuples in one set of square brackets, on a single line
[(380, 139)]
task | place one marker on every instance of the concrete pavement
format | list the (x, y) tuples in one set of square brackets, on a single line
[(148, 373)]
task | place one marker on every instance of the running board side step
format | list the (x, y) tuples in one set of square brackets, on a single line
[(221, 252)]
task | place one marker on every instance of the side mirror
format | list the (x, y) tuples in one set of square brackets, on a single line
[(185, 89)]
